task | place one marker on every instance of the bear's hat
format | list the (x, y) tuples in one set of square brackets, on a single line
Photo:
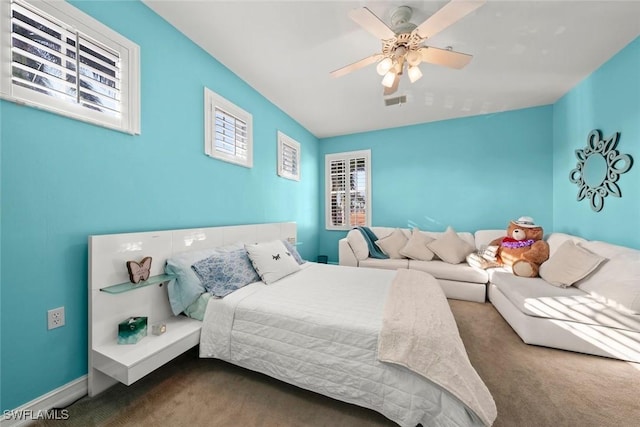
[(525, 222)]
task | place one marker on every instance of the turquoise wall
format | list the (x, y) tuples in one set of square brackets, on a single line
[(63, 180), (609, 100), (470, 173)]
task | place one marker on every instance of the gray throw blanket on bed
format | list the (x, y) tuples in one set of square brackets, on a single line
[(419, 332), (370, 238)]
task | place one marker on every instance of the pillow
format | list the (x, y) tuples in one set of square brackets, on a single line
[(293, 251), (358, 244), (271, 260), (416, 247), (224, 273), (199, 307), (187, 287), (450, 247), (616, 282), (569, 264), (393, 244)]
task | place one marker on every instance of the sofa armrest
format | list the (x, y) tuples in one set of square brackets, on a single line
[(345, 254)]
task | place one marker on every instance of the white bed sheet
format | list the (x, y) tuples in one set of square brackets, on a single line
[(318, 329)]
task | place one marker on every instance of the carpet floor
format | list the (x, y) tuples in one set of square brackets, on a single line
[(532, 386)]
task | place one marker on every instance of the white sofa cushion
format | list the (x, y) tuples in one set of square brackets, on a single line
[(450, 247), (555, 240), (358, 244), (382, 232), (484, 237), (617, 281), (446, 271), (535, 297), (393, 244), (568, 264), (464, 235), (416, 248), (388, 264)]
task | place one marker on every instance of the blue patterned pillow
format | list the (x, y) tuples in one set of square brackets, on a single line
[(294, 252), (224, 273)]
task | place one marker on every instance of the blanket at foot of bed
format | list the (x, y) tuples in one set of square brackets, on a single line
[(420, 333)]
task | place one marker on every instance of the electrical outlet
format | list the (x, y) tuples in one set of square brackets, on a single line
[(55, 318)]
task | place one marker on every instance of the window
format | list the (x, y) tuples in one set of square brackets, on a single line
[(64, 61), (228, 131), (288, 157), (348, 190)]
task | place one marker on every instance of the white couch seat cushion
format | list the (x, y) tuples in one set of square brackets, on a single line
[(388, 264), (535, 297), (446, 271)]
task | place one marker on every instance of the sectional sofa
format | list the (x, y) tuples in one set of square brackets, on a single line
[(458, 280), (587, 298)]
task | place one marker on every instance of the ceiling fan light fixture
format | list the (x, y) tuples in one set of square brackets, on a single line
[(388, 79), (414, 73), (413, 58), (384, 66)]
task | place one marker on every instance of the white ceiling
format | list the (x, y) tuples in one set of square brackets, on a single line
[(526, 53)]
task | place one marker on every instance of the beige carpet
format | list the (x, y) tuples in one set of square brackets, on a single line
[(532, 386)]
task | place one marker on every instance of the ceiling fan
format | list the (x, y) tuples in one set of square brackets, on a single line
[(402, 42)]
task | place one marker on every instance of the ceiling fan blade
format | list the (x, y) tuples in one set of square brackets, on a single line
[(448, 58), (394, 86), (448, 15), (370, 22), (357, 65)]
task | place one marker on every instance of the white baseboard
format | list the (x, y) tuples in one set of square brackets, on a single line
[(60, 397)]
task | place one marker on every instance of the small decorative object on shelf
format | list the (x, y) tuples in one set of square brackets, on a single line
[(132, 330), (159, 328), (139, 271)]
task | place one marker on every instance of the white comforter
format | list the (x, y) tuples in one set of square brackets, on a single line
[(318, 329)]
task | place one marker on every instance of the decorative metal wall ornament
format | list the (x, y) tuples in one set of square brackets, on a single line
[(599, 167)]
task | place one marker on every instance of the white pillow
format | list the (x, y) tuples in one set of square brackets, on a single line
[(271, 260), (450, 247), (569, 264), (358, 244), (393, 244), (416, 247)]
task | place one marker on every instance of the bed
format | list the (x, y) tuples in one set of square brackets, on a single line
[(328, 328)]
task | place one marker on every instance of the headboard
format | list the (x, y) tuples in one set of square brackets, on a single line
[(109, 362)]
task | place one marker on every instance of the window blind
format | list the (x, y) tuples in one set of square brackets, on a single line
[(231, 134), (289, 159), (53, 59), (338, 192), (348, 194)]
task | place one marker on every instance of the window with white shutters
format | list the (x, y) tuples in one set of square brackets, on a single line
[(228, 130), (64, 61), (348, 190), (288, 157)]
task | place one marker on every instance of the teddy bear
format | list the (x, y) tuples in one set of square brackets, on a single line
[(522, 248)]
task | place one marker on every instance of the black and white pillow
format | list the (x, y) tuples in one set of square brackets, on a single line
[(271, 260)]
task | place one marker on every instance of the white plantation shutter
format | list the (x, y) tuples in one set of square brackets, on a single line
[(228, 130), (288, 157), (99, 77), (57, 66), (348, 189), (231, 134)]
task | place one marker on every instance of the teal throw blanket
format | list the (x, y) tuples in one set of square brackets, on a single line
[(370, 238)]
